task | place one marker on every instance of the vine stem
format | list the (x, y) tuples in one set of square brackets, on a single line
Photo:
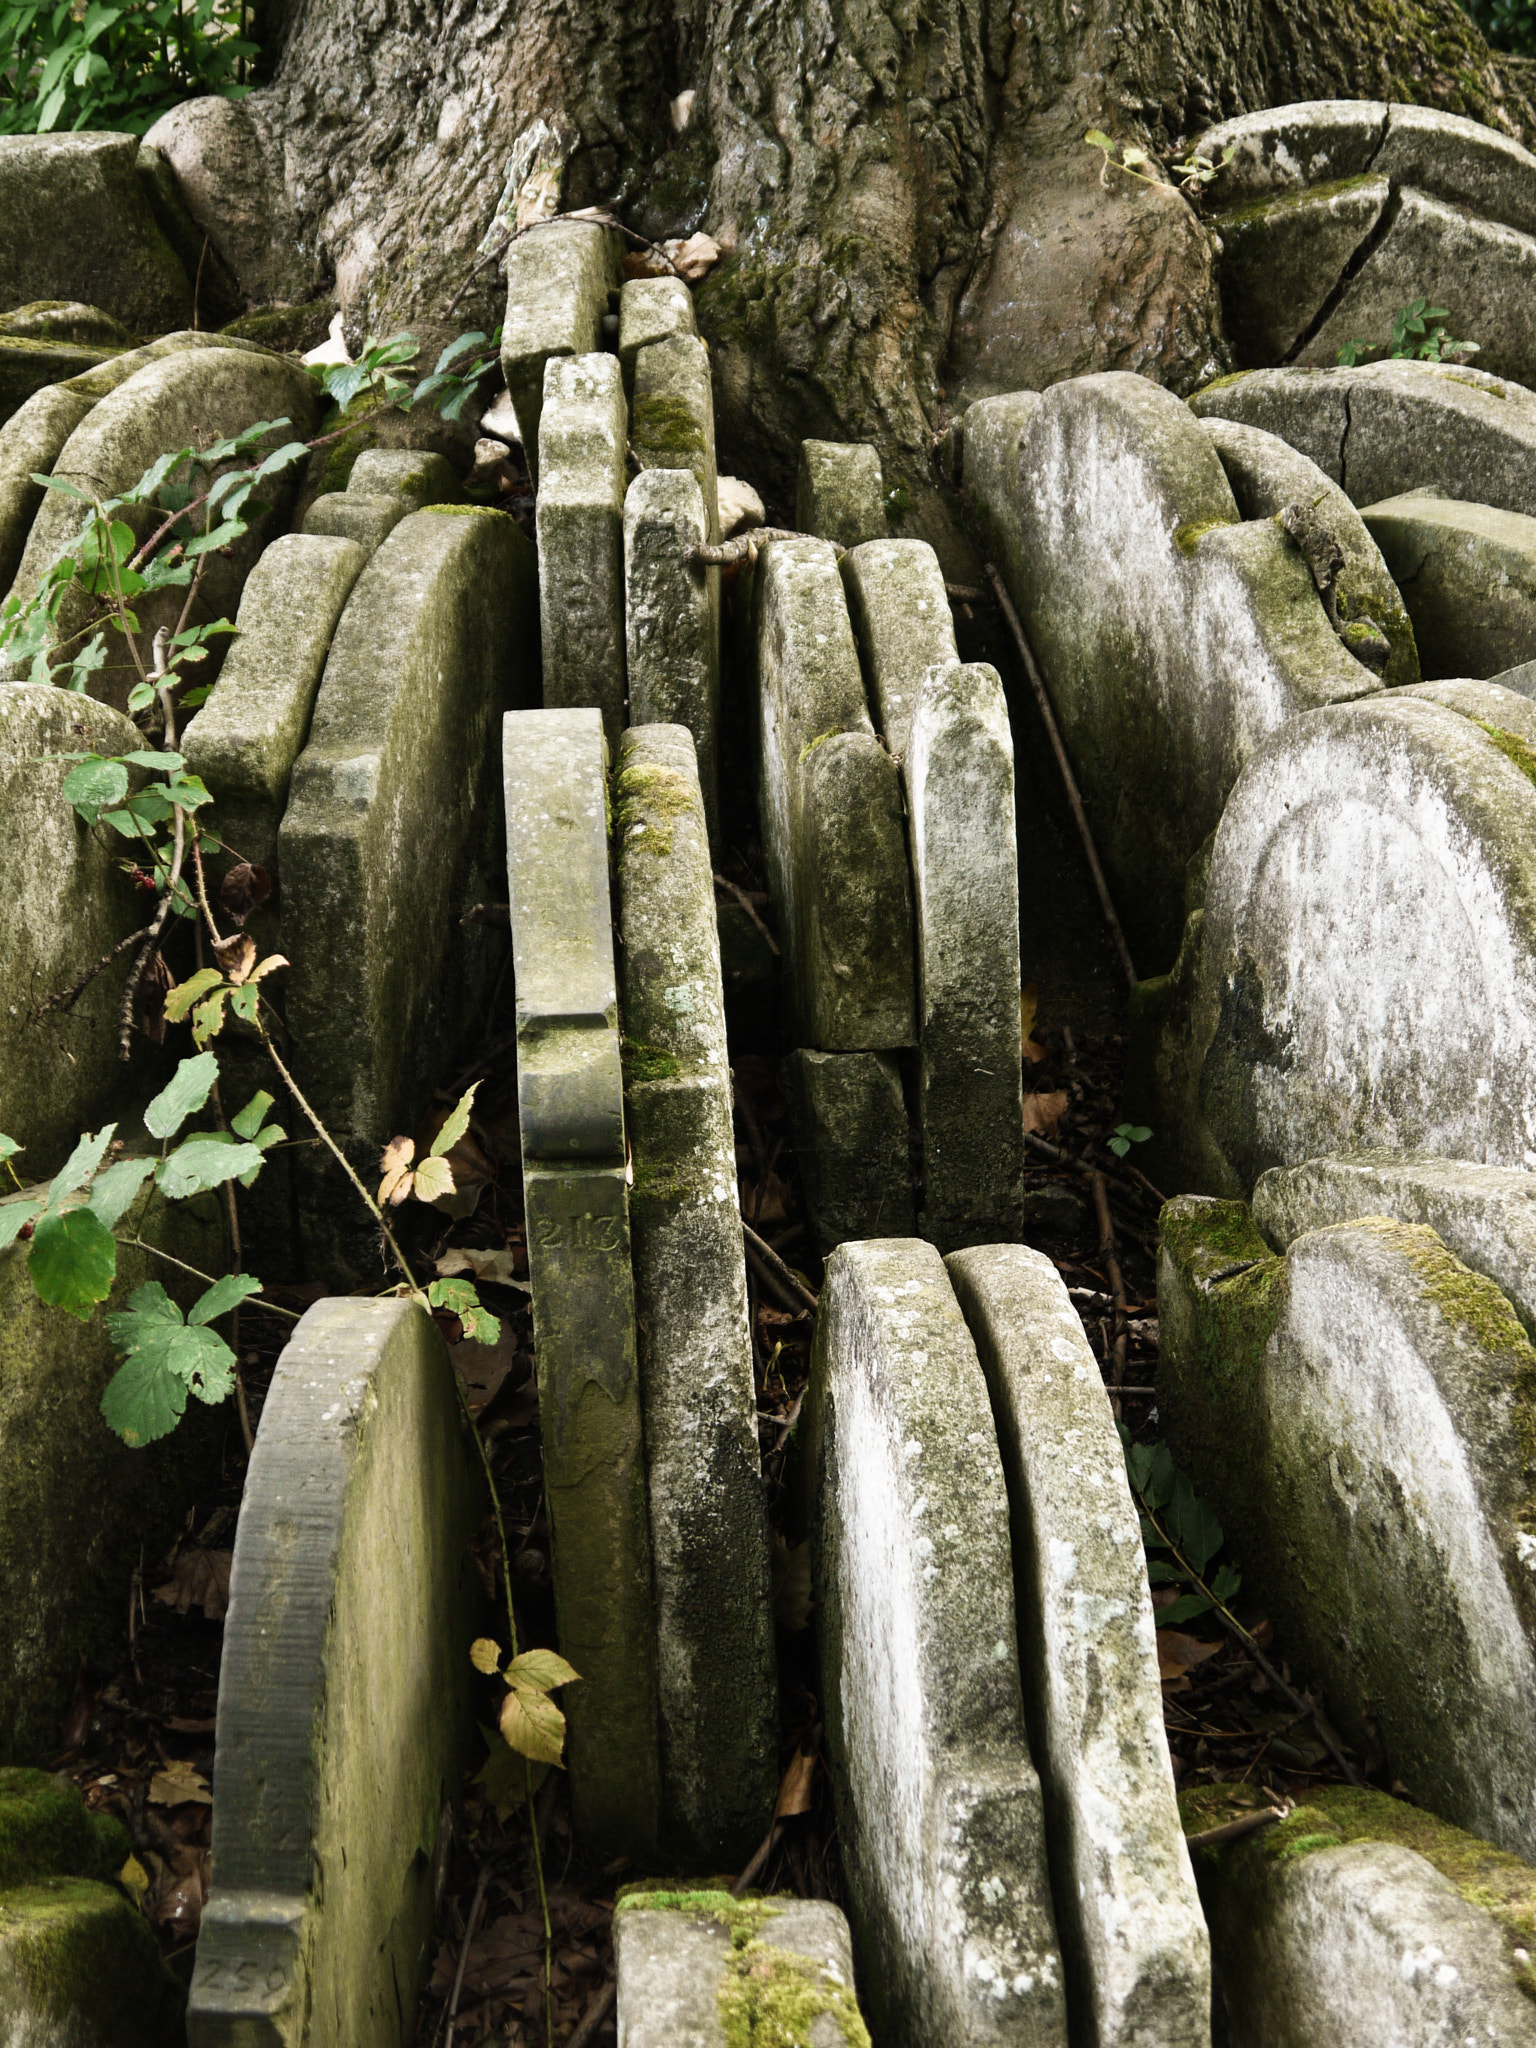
[(141, 1244)]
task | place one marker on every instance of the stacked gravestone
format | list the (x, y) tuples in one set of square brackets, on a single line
[(1468, 577), (652, 309), (344, 1694), (583, 434), (385, 484), (839, 492), (717, 1693), (571, 1112), (559, 277)]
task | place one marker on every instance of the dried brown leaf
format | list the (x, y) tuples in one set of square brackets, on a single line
[(200, 1578), (177, 1784), (796, 1786), (244, 890), (1177, 1654), (1043, 1113), (236, 955)]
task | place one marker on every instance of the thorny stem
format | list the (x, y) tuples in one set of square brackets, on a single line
[(141, 1244), (229, 1187)]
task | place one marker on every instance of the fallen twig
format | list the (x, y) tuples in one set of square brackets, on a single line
[(469, 1934), (1245, 1824), (767, 1259), (598, 2008), (746, 903), (1109, 1252)]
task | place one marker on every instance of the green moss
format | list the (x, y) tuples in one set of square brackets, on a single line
[(1284, 202), (46, 1831), (663, 425), (1187, 538), (88, 1964), (471, 511), (651, 799), (644, 1062), (288, 329), (1220, 384), (820, 740), (1513, 748), (1212, 1233)]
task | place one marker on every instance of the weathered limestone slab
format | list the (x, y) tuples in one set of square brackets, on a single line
[(66, 1567), (416, 475), (571, 1111), (1360, 1415), (992, 433), (691, 1964), (672, 617), (1266, 475), (1283, 256), (965, 872), (853, 1144), (1282, 149), (77, 225), (1510, 713), (79, 1963), (345, 1713), (1133, 1939), (558, 281), (1461, 161), (244, 740), (1521, 680), (580, 517), (366, 519), (938, 1804), (652, 309), (717, 1681), (1383, 429), (830, 805), (840, 492), (66, 320), (672, 415), (28, 364), (1362, 1919), (1171, 636), (392, 830), (901, 619), (1486, 1215), (1468, 577)]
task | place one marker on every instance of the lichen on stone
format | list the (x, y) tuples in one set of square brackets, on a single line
[(1513, 748), (471, 511), (644, 1062), (1187, 538), (651, 798), (664, 424)]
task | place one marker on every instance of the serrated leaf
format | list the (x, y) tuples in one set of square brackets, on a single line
[(185, 1093), (94, 786), (222, 1296), (485, 1655), (90, 1150), (73, 1261), (1184, 1609), (433, 1177), (540, 1671), (205, 1162), (249, 1121), (506, 1778), (144, 1400), (456, 1125), (395, 1166), (208, 1017), (14, 1217), (1227, 1584), (533, 1725), (113, 1194)]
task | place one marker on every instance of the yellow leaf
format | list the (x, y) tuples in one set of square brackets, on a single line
[(484, 1654), (434, 1177), (457, 1124), (539, 1671), (134, 1879), (394, 1164), (268, 966), (533, 1725)]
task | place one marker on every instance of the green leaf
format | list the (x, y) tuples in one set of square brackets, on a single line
[(113, 1194), (249, 1121), (151, 1331), (1158, 1489), (8, 1147), (95, 785), (1195, 1528), (185, 1093), (186, 993), (73, 1261), (203, 1163), (14, 1217), (1184, 1609), (456, 1126), (222, 1296), (144, 1399), (208, 1017), (1161, 1573), (1098, 138), (1227, 1584), (80, 1165), (145, 758), (539, 1671)]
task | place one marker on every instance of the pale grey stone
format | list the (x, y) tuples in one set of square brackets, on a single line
[(840, 492), (416, 475), (365, 519), (1468, 577), (1359, 1417), (672, 617), (740, 506), (717, 1680), (345, 1719), (901, 619), (1521, 680), (1133, 1939), (571, 1113), (1488, 704), (1266, 475), (830, 807), (558, 281), (229, 167), (938, 1805), (1281, 149), (392, 830), (673, 1960), (965, 872), (29, 365), (652, 309), (1170, 635), (580, 517), (1486, 1215), (68, 321), (853, 1145), (1462, 161), (992, 433), (1283, 257), (672, 415), (77, 225)]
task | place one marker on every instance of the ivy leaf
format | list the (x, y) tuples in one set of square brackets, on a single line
[(455, 1127), (73, 1261), (184, 1094), (222, 1296), (80, 1165), (533, 1725), (113, 1194), (540, 1671), (205, 1162)]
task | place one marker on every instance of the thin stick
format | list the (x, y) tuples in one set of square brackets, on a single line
[(1069, 780), (766, 1277), (769, 1258), (139, 1244), (1109, 1252), (763, 1851), (1064, 1158), (598, 2008), (469, 1935), (1230, 1830), (70, 996), (743, 547), (746, 903)]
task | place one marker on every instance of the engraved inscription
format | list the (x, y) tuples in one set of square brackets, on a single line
[(576, 1233)]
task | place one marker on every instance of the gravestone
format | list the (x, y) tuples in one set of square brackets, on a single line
[(1360, 1918), (1361, 1416), (1133, 1939), (366, 519), (1508, 716), (853, 1145), (1282, 257), (901, 620), (417, 475), (393, 828), (840, 492), (717, 1684), (571, 1112), (1171, 636), (992, 433), (78, 225), (672, 617), (345, 1713), (830, 806), (652, 309), (558, 280), (938, 1804), (29, 364), (672, 415), (580, 517), (965, 871), (692, 1964), (1468, 577)]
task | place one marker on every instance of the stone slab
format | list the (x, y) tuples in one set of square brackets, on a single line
[(901, 620), (79, 1963), (1170, 635), (558, 280), (1468, 577), (417, 475), (393, 828), (1282, 257), (672, 618), (840, 492), (717, 1677), (28, 364), (66, 320), (1521, 680), (580, 517), (829, 802), (938, 1804), (77, 225), (345, 1691), (1266, 474), (992, 434), (672, 415), (853, 1144), (1133, 1938), (958, 774), (652, 309), (571, 1113), (1282, 149), (691, 1964), (1362, 1919), (1359, 1414), (366, 519), (1462, 161)]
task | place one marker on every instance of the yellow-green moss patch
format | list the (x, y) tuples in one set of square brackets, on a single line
[(1187, 538), (1513, 748)]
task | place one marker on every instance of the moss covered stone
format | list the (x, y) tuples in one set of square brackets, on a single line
[(558, 281), (46, 1831), (78, 225), (672, 614), (78, 1963), (672, 419), (1468, 577)]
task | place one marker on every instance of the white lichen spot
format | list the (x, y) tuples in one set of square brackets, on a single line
[(1063, 1351), (994, 1891)]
